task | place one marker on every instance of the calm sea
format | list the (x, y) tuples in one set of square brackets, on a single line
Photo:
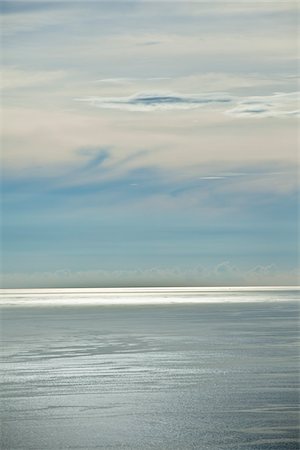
[(165, 370)]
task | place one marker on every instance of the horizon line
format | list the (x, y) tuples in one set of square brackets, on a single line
[(147, 288)]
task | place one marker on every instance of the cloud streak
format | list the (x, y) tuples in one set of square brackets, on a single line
[(275, 105), (158, 101), (127, 80), (280, 104)]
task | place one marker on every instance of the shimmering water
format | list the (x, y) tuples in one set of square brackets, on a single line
[(221, 376)]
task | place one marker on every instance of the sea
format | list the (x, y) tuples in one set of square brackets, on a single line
[(150, 369)]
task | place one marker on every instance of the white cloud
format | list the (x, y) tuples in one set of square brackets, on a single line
[(221, 274), (129, 80), (158, 101), (277, 105), (253, 106)]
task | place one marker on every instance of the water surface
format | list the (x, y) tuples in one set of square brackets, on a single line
[(215, 376)]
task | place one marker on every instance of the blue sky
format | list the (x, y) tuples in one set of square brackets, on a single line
[(149, 143)]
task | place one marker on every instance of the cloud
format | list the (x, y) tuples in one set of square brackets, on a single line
[(45, 139), (95, 158), (158, 101), (98, 179), (260, 111), (274, 105), (129, 80), (222, 274), (277, 105)]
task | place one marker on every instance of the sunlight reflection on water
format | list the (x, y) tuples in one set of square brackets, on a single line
[(196, 376)]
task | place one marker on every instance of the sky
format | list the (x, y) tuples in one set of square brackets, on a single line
[(149, 143)]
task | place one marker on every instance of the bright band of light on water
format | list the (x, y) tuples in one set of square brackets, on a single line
[(145, 296)]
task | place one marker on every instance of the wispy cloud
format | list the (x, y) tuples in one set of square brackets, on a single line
[(129, 80), (261, 111), (95, 158), (158, 101), (278, 104), (101, 178)]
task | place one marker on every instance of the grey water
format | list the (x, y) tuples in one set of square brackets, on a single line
[(208, 376)]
